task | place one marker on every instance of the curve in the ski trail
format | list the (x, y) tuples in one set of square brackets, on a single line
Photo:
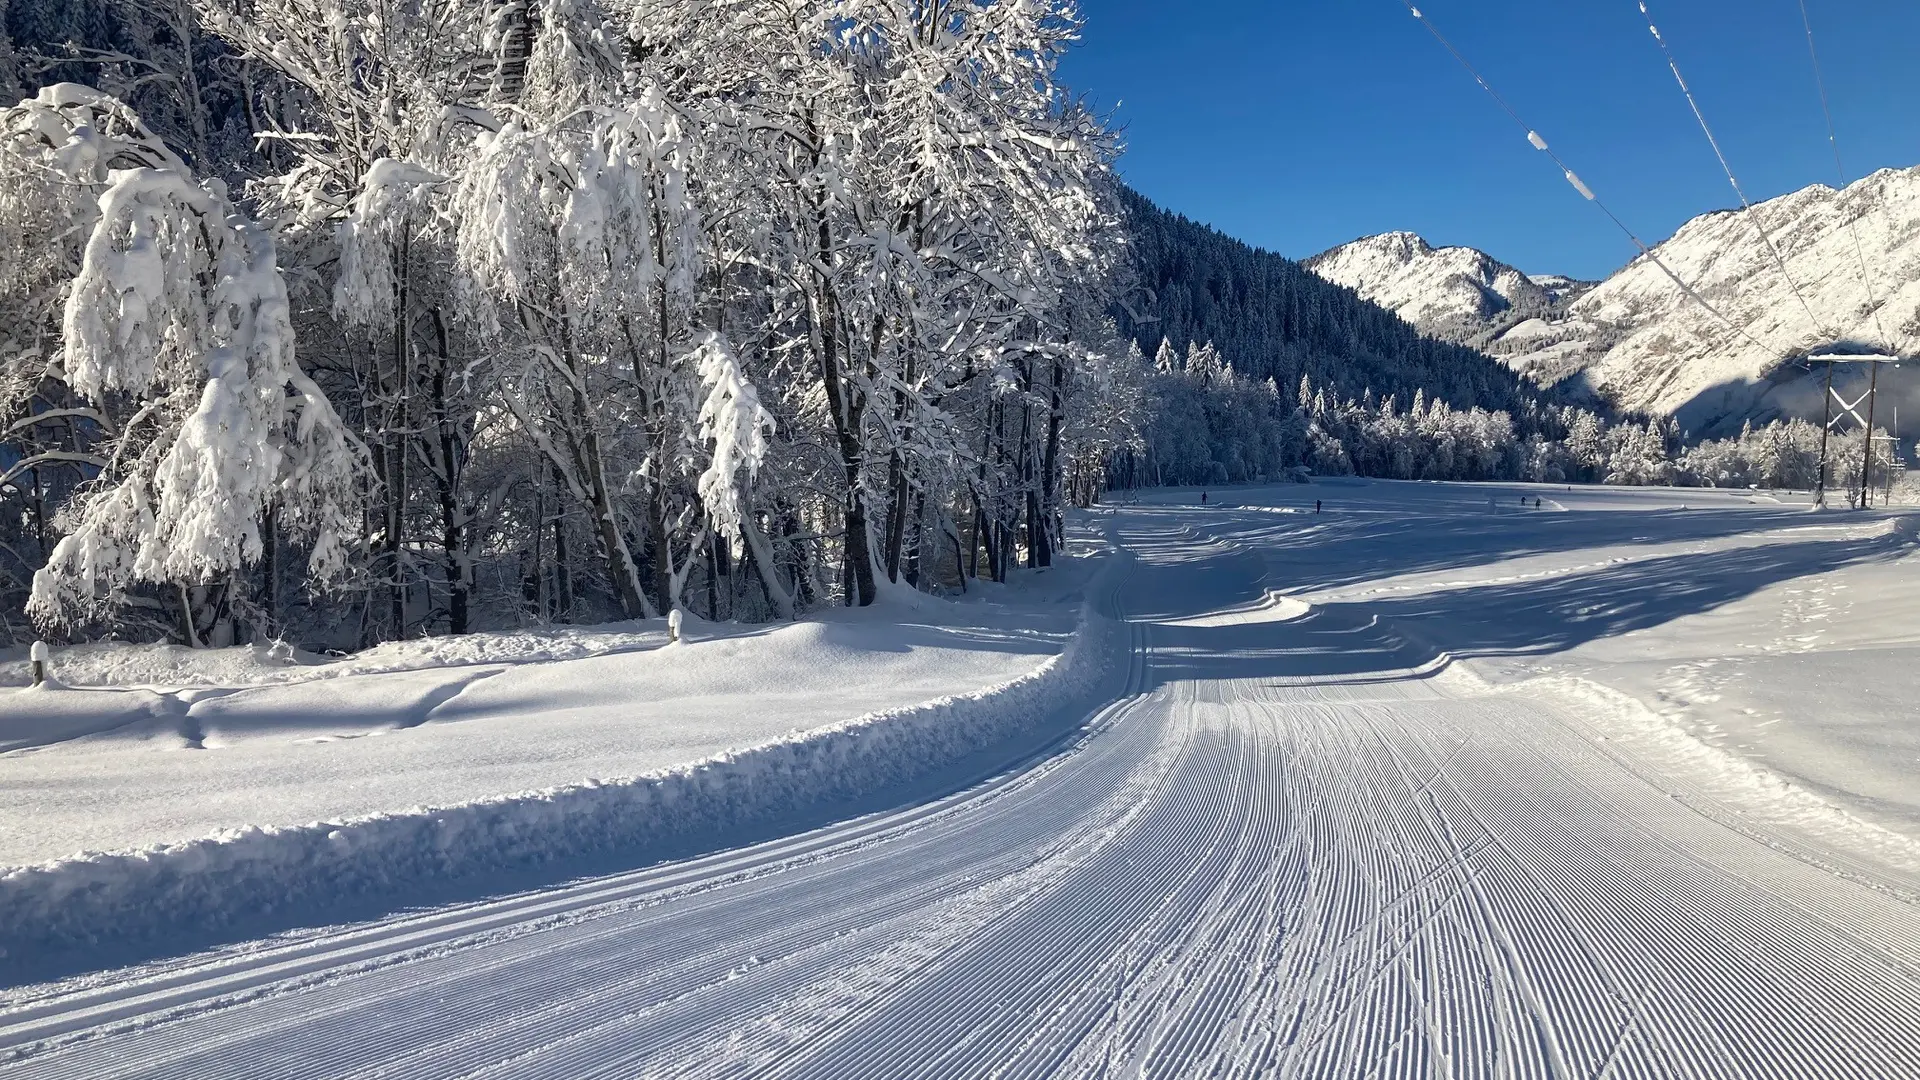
[(1262, 862)]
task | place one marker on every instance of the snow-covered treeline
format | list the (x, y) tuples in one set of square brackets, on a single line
[(1785, 454), (1213, 425), (527, 310)]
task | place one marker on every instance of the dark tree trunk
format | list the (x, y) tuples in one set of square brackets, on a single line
[(913, 556), (562, 576), (453, 533), (1049, 470), (399, 394), (844, 408), (896, 514), (270, 573)]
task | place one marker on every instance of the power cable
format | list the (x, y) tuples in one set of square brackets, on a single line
[(1746, 204), (1540, 144), (1840, 172)]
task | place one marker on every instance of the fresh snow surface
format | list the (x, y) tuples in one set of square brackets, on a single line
[(1425, 784), (172, 759), (169, 791)]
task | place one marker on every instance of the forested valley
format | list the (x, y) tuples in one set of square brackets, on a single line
[(342, 321)]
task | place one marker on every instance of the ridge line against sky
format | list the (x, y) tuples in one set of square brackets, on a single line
[(1298, 126)]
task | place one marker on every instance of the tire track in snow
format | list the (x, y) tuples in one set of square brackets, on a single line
[(1229, 877)]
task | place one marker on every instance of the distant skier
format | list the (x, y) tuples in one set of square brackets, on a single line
[(1203, 498), (1316, 506)]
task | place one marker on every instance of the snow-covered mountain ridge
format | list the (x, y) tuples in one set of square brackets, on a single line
[(1460, 294), (1639, 341)]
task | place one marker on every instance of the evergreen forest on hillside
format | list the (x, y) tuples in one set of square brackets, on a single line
[(1270, 317)]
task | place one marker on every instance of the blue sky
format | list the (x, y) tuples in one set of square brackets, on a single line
[(1300, 124)]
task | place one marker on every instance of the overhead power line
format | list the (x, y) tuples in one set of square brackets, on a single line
[(1745, 203), (1539, 143), (1840, 173)]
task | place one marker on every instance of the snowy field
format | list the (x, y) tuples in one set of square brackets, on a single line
[(1769, 655), (156, 745), (162, 793), (1422, 784)]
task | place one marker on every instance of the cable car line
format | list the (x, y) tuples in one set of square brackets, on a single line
[(1746, 204), (1540, 144), (1840, 172)]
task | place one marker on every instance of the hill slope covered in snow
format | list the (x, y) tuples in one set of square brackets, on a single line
[(1459, 294), (1640, 342)]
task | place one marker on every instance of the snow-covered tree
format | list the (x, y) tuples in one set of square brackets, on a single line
[(204, 435)]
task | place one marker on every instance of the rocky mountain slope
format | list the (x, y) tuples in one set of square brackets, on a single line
[(1639, 341), (1459, 294)]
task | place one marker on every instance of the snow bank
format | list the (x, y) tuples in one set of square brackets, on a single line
[(1743, 794), (213, 881)]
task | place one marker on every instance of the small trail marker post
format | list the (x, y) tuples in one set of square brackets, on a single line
[(673, 626), (40, 658)]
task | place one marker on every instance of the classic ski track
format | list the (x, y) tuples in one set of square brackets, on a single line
[(1236, 877)]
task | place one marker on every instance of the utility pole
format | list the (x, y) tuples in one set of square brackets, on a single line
[(1826, 426), (1866, 453), (1850, 408)]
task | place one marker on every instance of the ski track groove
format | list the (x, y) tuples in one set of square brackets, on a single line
[(1233, 877)]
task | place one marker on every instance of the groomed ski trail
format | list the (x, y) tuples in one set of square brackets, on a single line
[(1291, 850)]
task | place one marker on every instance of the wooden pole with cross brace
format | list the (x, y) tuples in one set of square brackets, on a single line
[(1850, 409)]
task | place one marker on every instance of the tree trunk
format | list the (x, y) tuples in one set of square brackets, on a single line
[(762, 556), (972, 568), (562, 574), (1039, 543), (859, 550), (399, 394), (1027, 467), (896, 513), (913, 556), (1049, 470), (845, 410), (622, 572), (270, 573), (959, 562), (453, 532), (534, 581)]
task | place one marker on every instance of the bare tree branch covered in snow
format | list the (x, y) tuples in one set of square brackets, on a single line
[(601, 309)]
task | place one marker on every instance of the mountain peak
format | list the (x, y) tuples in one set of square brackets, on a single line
[(1407, 244), (1646, 344), (1460, 294)]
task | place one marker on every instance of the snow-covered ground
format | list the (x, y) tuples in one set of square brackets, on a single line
[(156, 747), (1422, 784), (1785, 642), (159, 789)]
